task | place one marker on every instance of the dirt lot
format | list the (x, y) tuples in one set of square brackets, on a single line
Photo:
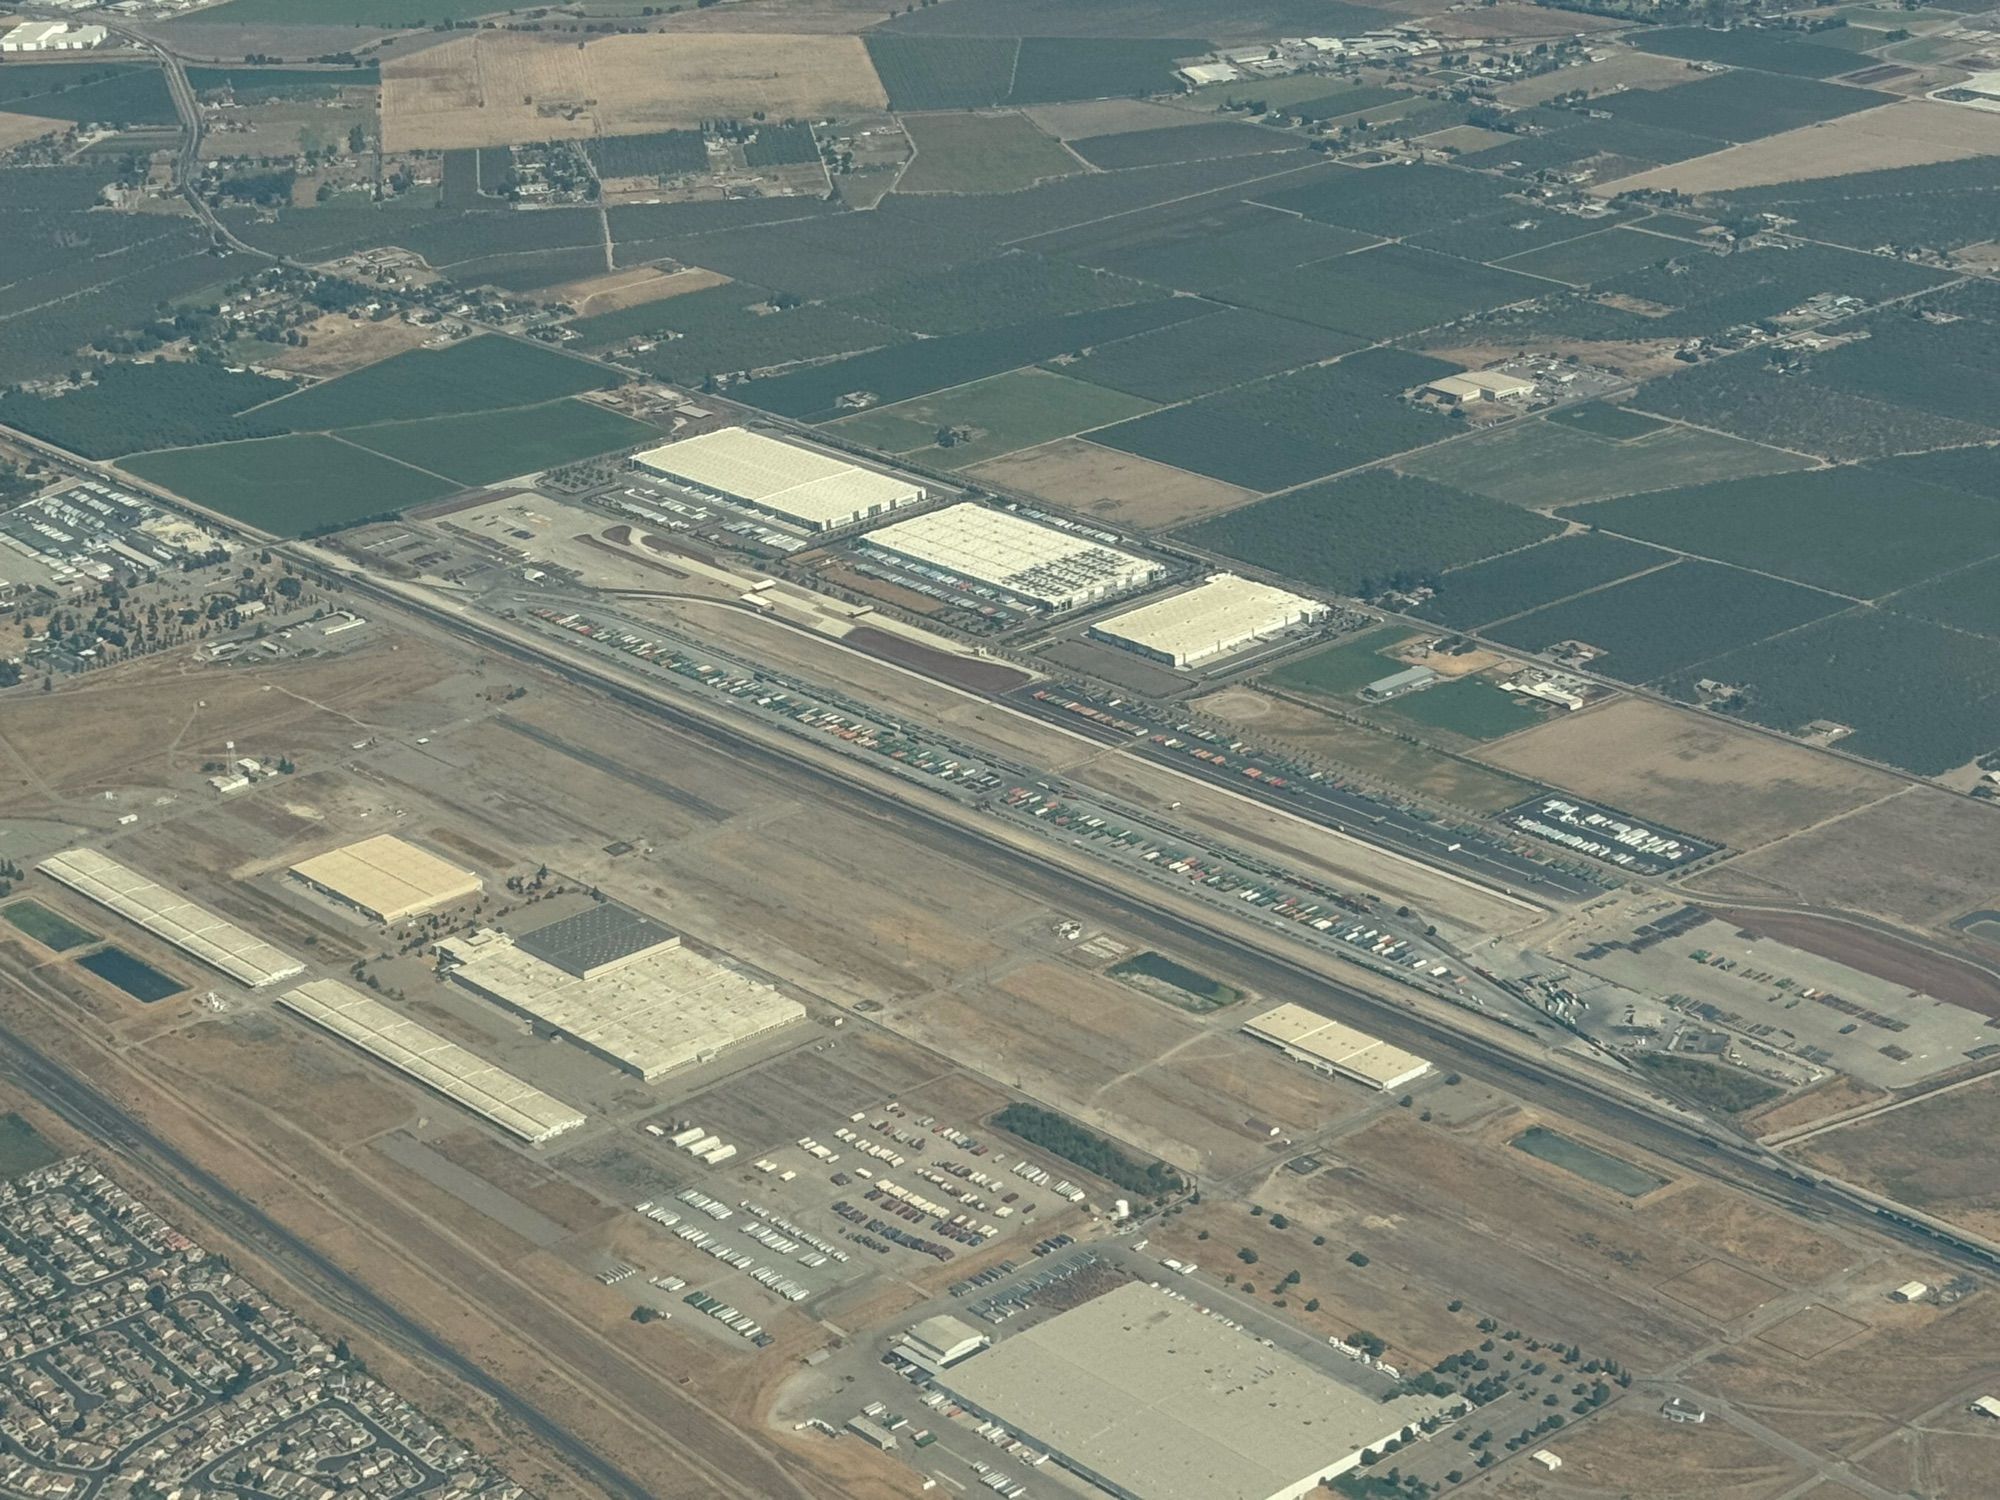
[(1912, 133), (1936, 974), (962, 671), (1118, 486), (1935, 1156), (498, 87), (641, 284), (1690, 771), (1836, 1096), (1632, 70), (1631, 1451), (1919, 858), (337, 343), (1367, 752)]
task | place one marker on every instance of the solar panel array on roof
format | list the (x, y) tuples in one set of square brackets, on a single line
[(597, 940)]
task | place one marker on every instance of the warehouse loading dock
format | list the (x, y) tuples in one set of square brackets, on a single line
[(810, 490), (386, 878), (1313, 1039), (1222, 616), (1149, 1397)]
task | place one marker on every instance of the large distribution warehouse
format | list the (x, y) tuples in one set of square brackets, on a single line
[(1041, 564), (620, 986), (386, 878), (461, 1076), (811, 490), (1331, 1047), (1149, 1397), (1223, 615), (195, 930)]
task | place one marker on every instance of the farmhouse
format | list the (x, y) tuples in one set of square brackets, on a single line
[(810, 490), (1223, 615)]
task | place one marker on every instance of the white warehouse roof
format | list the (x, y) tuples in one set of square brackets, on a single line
[(195, 930), (815, 490), (1328, 1045), (387, 877), (1224, 614), (1040, 563), (660, 1009), (1150, 1396), (460, 1075)]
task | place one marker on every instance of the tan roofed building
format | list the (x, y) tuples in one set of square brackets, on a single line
[(387, 878)]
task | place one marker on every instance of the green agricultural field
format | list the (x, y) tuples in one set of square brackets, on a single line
[(1966, 600), (51, 929), (1470, 708), (1500, 236), (720, 330), (659, 153), (109, 95), (926, 365), (1370, 531), (290, 486), (1597, 257), (1015, 410), (1916, 695), (1382, 293), (1545, 464), (1670, 619), (1973, 471), (1536, 576), (478, 374), (1950, 370), (1279, 432), (1611, 422), (1176, 143), (1343, 669), (939, 72), (129, 407), (1196, 252), (992, 292), (981, 154), (248, 84), (1770, 51), (1393, 200), (1051, 69), (483, 447), (1208, 354), (1742, 106), (1846, 529)]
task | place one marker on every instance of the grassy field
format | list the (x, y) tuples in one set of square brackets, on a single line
[(1843, 529), (980, 154), (1153, 148), (290, 486), (1545, 464), (1343, 669), (1394, 201), (51, 929), (1596, 257), (486, 446), (1587, 1162), (1196, 252), (477, 374), (1600, 419), (939, 72), (1468, 707), (22, 1148), (1017, 410), (1672, 618), (1535, 576), (1159, 975)]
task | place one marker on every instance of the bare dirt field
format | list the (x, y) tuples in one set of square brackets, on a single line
[(1836, 1096), (497, 87), (1367, 752), (1912, 133), (1976, 987), (1935, 1156), (962, 671), (15, 129), (1630, 1451), (1626, 69), (1919, 858), (641, 284), (1118, 486), (337, 343), (1689, 771), (1072, 122)]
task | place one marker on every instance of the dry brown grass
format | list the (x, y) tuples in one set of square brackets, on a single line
[(1631, 70), (336, 344), (1912, 133), (1629, 1451), (641, 284), (1118, 486), (15, 129), (1690, 771)]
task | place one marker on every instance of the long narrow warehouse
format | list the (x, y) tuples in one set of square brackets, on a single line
[(461, 1076), (195, 930)]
